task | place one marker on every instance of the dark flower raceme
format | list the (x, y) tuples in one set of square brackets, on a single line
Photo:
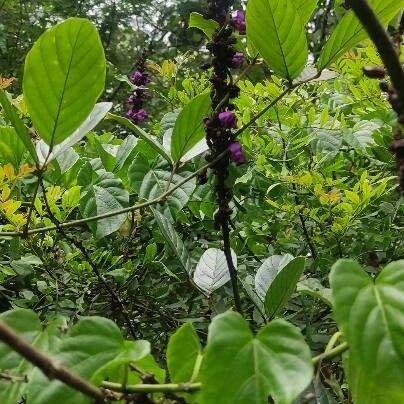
[(239, 21), (137, 116), (237, 154), (139, 78), (237, 59), (228, 119), (136, 113)]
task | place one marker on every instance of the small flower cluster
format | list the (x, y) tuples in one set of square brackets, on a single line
[(136, 112)]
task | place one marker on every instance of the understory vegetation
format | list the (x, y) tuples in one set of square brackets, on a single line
[(202, 202)]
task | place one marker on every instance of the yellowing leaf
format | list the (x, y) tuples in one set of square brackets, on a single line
[(9, 172), (6, 82)]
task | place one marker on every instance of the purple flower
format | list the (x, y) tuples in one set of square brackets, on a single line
[(237, 154), (239, 21), (137, 116), (228, 119), (139, 78), (237, 59)]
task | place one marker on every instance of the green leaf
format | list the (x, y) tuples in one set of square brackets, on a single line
[(349, 30), (314, 288), (212, 271), (239, 367), (131, 352), (283, 286), (183, 352), (267, 272), (276, 31), (157, 181), (189, 128), (150, 140), (89, 345), (174, 241), (105, 195), (370, 315), (26, 323), (208, 27), (305, 9), (11, 147), (91, 121), (18, 124), (63, 77)]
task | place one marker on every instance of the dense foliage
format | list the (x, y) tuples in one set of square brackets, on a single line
[(200, 204)]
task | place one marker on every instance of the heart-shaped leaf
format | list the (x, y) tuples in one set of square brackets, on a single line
[(89, 345), (276, 31), (26, 323), (370, 315), (239, 367), (212, 271), (63, 77)]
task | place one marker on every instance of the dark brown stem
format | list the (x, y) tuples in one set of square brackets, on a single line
[(93, 265), (51, 368), (382, 42)]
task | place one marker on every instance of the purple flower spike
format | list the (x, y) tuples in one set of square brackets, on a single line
[(228, 119), (237, 154), (237, 59), (239, 21), (138, 78), (137, 116)]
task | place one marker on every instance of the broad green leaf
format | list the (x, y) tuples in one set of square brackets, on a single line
[(104, 196), (174, 241), (305, 9), (26, 323), (89, 345), (370, 314), (189, 127), (212, 271), (314, 288), (349, 30), (150, 183), (267, 272), (183, 351), (92, 120), (11, 147), (131, 352), (156, 182), (12, 116), (276, 31), (63, 77), (150, 140), (208, 27), (239, 367), (283, 286)]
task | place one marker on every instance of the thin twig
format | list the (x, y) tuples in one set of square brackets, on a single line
[(383, 43), (93, 265), (51, 368), (152, 388)]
